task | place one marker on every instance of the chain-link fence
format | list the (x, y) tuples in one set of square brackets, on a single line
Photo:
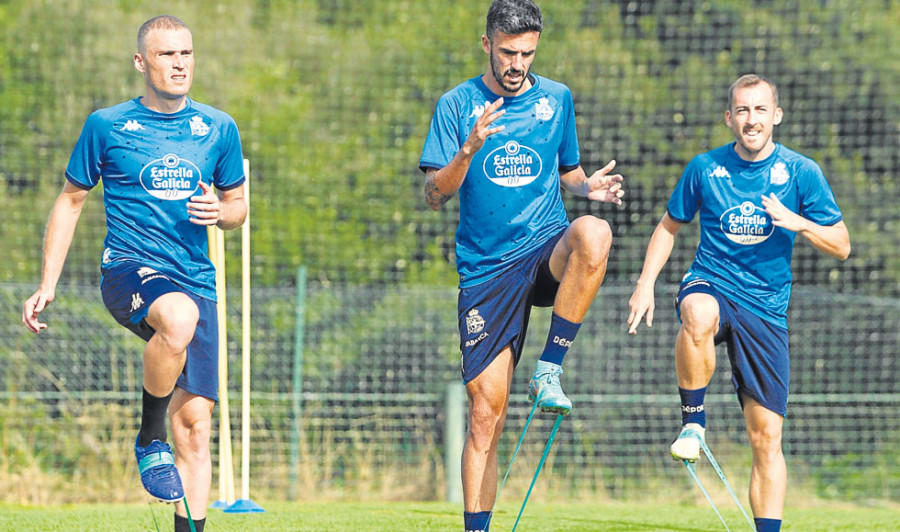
[(333, 99)]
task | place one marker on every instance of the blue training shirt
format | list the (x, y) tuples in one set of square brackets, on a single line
[(510, 202), (741, 251), (150, 165)]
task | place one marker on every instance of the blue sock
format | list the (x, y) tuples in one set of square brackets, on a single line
[(477, 522), (767, 525), (692, 410), (559, 339)]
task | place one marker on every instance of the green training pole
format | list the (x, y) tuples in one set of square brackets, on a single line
[(297, 383)]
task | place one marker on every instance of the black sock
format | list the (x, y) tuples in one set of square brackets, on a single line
[(153, 418), (182, 525)]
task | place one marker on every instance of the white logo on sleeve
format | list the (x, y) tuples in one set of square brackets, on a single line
[(136, 302), (198, 128), (542, 110), (779, 175)]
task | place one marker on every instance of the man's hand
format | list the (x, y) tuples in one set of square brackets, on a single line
[(482, 129), (606, 188), (782, 216), (204, 209), (33, 306), (641, 304)]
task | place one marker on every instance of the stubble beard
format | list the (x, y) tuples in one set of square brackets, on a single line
[(751, 151), (499, 77)]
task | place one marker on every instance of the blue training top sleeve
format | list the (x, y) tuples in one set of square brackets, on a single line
[(569, 154), (817, 201), (685, 200), (229, 172), (443, 141), (85, 166)]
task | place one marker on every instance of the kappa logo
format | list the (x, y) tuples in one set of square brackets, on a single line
[(132, 125), (136, 302), (542, 110), (720, 171), (478, 110), (198, 127), (106, 255), (779, 175), (474, 322), (691, 409)]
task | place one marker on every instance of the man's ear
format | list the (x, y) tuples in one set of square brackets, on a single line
[(138, 62)]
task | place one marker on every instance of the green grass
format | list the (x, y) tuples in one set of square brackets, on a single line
[(427, 517)]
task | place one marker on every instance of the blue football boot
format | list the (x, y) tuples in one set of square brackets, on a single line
[(545, 388), (687, 445), (158, 474)]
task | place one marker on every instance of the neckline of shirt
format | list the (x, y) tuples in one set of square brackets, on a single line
[(739, 161), (535, 84), (188, 104)]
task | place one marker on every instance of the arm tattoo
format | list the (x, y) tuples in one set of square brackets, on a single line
[(434, 197)]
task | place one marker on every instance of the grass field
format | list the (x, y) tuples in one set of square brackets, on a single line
[(429, 517)]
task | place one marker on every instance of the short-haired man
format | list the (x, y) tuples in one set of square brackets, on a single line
[(158, 157), (506, 141), (752, 196)]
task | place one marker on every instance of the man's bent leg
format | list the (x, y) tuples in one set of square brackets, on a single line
[(579, 263), (768, 477), (488, 401), (191, 417), (695, 362), (174, 317)]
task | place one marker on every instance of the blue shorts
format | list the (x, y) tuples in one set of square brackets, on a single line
[(758, 349), (129, 288), (495, 313)]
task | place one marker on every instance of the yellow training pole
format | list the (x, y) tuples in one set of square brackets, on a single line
[(217, 257), (224, 411), (245, 341), (214, 259), (245, 504)]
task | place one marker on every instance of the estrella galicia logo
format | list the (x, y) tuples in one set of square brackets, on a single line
[(512, 165), (170, 178), (747, 224)]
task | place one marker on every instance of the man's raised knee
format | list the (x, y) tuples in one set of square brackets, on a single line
[(174, 317), (699, 316), (592, 237)]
